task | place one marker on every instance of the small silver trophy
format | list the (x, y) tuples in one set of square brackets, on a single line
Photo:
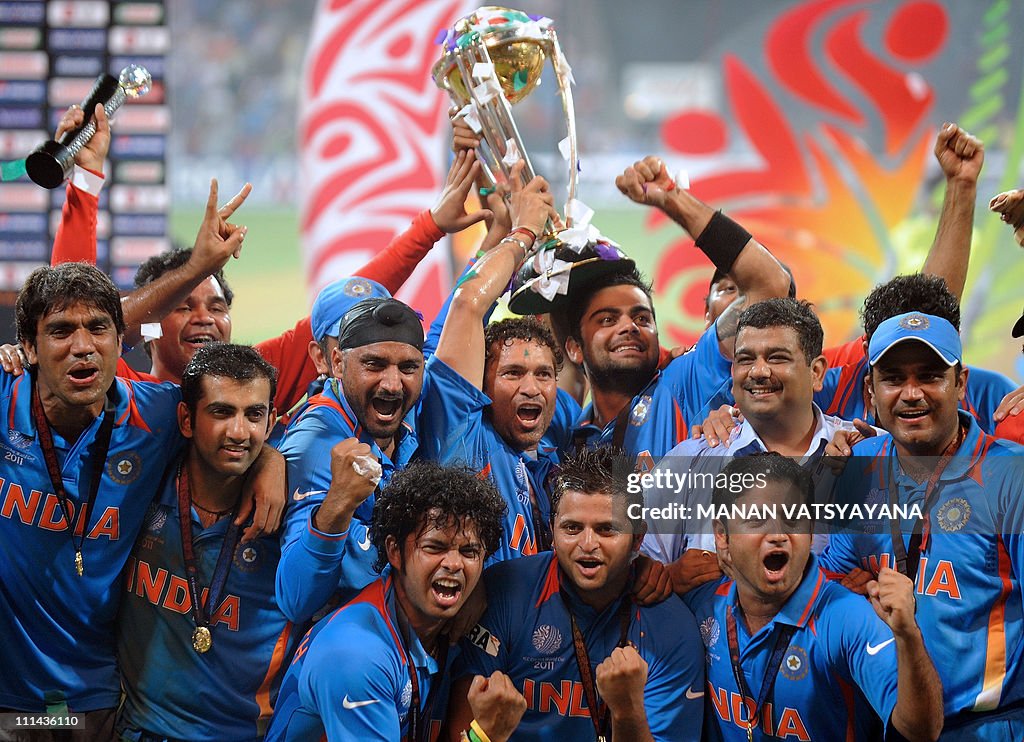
[(51, 163)]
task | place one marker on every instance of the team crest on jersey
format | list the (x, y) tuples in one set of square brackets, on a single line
[(953, 514), (249, 556), (18, 439), (547, 639), (795, 665), (710, 631), (357, 287), (125, 468), (639, 414)]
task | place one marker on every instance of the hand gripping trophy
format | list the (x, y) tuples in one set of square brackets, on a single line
[(490, 60), (51, 163)]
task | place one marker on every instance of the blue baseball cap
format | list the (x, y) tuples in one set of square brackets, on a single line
[(336, 299), (935, 332)]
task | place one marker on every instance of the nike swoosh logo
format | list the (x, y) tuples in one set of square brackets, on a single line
[(876, 649), (356, 704), (691, 695), (297, 496), (365, 544)]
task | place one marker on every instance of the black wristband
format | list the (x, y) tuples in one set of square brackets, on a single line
[(722, 241)]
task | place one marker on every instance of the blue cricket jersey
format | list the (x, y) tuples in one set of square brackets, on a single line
[(314, 565), (526, 633), (968, 585), (350, 677), (252, 639), (454, 429), (57, 627), (837, 680), (660, 415)]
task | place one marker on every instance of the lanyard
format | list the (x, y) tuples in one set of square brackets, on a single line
[(599, 713), (908, 560), (202, 637), (783, 635), (97, 459), (540, 526), (416, 732)]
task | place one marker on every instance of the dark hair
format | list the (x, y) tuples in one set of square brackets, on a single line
[(914, 293), (425, 495), (48, 290), (602, 470), (504, 332), (168, 260), (228, 361), (793, 313), (762, 467), (577, 307)]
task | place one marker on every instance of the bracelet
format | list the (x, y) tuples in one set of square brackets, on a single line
[(517, 241), (722, 241), (527, 230), (486, 191), (476, 732)]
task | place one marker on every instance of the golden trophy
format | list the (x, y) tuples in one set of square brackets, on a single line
[(490, 60)]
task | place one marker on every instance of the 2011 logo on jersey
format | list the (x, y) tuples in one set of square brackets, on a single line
[(709, 631), (547, 639), (124, 469)]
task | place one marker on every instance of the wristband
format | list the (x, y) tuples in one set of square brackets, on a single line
[(526, 230), (476, 732), (722, 241)]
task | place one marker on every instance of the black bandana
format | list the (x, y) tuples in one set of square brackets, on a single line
[(380, 321)]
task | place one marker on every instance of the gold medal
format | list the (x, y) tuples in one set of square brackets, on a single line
[(202, 639), (79, 564)]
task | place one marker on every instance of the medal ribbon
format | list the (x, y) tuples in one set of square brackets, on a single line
[(97, 459), (783, 635), (201, 613), (908, 560), (417, 734), (600, 715)]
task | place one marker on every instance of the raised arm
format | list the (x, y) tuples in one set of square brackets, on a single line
[(75, 240), (462, 340), (758, 275), (961, 157), (217, 241)]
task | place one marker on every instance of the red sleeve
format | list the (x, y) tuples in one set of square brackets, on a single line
[(76, 234), (127, 372), (1011, 429), (393, 265), (845, 354), (289, 354)]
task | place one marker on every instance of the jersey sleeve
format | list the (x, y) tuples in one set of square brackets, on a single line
[(486, 647), (75, 240), (353, 684), (451, 409), (563, 422), (985, 390), (863, 647), (315, 564), (289, 354), (392, 266), (698, 374)]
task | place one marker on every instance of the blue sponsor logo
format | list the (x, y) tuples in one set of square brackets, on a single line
[(150, 225), (155, 65), (35, 224), (27, 91), (21, 118), (24, 13), (77, 39), (139, 147), (77, 66), (30, 248)]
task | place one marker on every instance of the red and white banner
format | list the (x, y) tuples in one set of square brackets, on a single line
[(372, 136)]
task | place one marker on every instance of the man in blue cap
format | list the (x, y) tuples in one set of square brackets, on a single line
[(960, 541)]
